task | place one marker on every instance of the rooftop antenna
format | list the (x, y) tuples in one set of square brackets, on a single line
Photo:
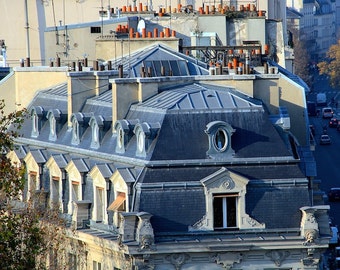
[(55, 25), (102, 7), (27, 34)]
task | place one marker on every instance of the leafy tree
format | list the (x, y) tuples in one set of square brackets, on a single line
[(27, 233), (301, 56), (331, 65)]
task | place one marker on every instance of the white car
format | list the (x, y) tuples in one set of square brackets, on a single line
[(325, 139), (327, 112)]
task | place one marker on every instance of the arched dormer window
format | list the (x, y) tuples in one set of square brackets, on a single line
[(124, 131), (145, 133), (96, 123), (36, 116), (75, 131), (219, 137), (79, 122), (53, 116)]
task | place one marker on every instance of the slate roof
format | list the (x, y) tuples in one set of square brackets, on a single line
[(176, 161), (180, 63), (185, 111), (170, 188)]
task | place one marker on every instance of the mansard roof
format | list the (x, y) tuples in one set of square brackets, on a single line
[(269, 186), (181, 114), (176, 124), (180, 64)]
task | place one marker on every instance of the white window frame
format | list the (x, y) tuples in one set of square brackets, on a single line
[(215, 130), (224, 183), (226, 210), (53, 126), (35, 124), (75, 131)]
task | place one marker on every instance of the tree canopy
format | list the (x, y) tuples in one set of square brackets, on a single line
[(331, 65), (25, 237)]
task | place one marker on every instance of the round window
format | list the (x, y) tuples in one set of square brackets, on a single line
[(220, 140)]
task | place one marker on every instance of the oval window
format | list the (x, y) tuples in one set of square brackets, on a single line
[(140, 141), (221, 140)]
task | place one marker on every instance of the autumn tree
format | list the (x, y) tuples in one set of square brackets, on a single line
[(27, 233), (331, 65), (301, 56)]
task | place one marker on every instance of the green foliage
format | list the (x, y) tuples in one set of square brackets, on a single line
[(331, 66), (25, 239)]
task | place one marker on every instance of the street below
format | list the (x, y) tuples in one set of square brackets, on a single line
[(327, 157)]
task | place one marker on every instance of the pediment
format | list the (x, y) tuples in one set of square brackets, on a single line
[(73, 171), (53, 167), (118, 181), (97, 177), (224, 179), (30, 162)]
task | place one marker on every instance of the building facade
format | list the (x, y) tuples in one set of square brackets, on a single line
[(175, 171)]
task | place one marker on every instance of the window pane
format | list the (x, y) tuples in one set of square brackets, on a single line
[(225, 211), (231, 212), (183, 68), (157, 65), (166, 67), (174, 68), (218, 213)]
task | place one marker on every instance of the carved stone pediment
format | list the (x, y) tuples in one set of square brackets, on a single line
[(223, 180), (225, 183)]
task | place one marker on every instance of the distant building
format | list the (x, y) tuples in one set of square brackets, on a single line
[(178, 169), (68, 30), (317, 25)]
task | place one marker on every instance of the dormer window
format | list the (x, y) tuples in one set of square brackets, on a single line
[(80, 122), (75, 131), (35, 121), (124, 131), (52, 121), (36, 116), (96, 123), (225, 197), (56, 120), (140, 141), (120, 138), (145, 133), (219, 136)]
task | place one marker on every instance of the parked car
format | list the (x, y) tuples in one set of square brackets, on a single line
[(327, 112), (334, 194), (325, 139), (333, 122)]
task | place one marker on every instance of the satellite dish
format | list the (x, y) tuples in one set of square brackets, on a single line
[(140, 26)]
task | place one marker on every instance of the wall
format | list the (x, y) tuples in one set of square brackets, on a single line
[(7, 88), (110, 48), (19, 88)]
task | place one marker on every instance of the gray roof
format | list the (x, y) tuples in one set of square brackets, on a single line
[(158, 55), (177, 159), (264, 200)]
